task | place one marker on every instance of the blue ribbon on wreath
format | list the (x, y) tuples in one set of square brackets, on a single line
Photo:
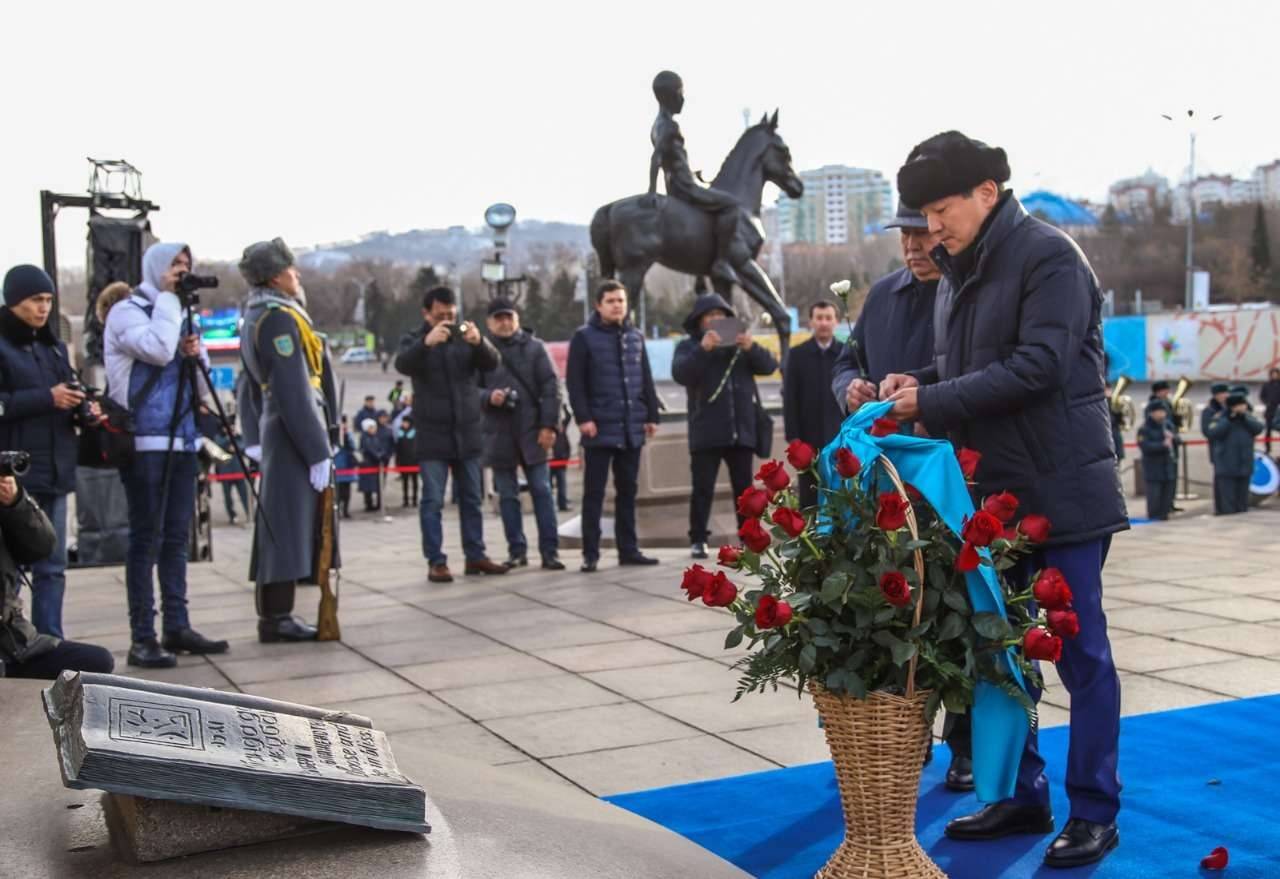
[(1000, 724)]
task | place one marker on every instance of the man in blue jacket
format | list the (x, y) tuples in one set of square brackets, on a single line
[(1017, 376), (615, 404), (39, 400)]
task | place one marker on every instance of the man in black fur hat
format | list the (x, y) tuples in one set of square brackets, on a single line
[(1017, 376)]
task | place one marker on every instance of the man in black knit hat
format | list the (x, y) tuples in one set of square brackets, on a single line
[(1017, 375)]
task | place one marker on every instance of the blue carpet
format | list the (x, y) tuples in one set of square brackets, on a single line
[(1193, 779)]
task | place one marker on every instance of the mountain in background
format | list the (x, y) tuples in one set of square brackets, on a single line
[(457, 246)]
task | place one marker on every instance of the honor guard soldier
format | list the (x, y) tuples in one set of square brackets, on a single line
[(291, 392)]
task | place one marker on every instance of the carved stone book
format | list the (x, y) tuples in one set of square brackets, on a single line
[(233, 750)]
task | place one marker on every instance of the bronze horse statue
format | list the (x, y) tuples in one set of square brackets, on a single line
[(631, 234)]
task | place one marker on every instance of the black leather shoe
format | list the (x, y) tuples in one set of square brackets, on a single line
[(284, 627), (191, 641), (552, 563), (698, 551), (149, 654), (960, 774), (517, 561), (637, 559), (1001, 819), (1081, 842), (589, 566)]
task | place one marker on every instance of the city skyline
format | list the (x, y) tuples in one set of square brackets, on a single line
[(337, 125)]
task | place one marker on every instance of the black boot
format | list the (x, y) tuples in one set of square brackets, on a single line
[(960, 773), (1082, 842), (190, 641), (149, 654), (1004, 818), (275, 618)]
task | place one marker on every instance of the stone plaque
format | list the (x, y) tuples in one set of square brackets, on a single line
[(231, 750)]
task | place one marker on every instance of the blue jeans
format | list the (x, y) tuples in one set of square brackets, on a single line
[(158, 539), (48, 576), (544, 510), (468, 482), (1089, 674)]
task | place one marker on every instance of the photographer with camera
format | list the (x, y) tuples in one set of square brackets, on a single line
[(444, 359), (26, 537), (145, 342), (40, 401), (1232, 432), (521, 401)]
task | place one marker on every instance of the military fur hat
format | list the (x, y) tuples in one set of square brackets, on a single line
[(264, 260), (948, 164)]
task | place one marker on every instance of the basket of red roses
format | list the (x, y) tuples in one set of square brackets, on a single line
[(863, 601)]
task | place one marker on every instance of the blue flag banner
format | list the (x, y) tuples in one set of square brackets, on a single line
[(999, 722)]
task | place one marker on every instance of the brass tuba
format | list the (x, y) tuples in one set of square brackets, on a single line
[(1122, 404), (1182, 410)]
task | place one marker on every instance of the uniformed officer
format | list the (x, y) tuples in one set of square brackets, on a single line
[(291, 390)]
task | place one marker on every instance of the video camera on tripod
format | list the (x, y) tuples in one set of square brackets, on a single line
[(189, 286)]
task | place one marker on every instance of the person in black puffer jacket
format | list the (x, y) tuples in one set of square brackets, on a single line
[(1232, 432), (1017, 376), (38, 415), (719, 379), (444, 359), (615, 403)]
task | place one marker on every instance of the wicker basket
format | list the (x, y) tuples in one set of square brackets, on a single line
[(878, 746)]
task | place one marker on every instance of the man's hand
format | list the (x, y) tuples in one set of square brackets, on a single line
[(710, 341), (906, 406), (9, 491), (744, 341), (496, 398), (190, 346), (588, 429), (860, 391), (650, 429), (319, 474), (438, 335), (546, 438), (65, 398), (95, 412), (471, 334), (894, 382), (1239, 408)]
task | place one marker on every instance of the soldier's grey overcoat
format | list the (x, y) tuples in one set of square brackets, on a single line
[(295, 424)]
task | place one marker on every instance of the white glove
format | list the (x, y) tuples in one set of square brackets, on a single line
[(254, 453), (320, 474)]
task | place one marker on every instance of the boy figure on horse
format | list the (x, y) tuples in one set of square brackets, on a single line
[(669, 155)]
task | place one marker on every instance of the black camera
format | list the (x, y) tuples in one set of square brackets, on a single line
[(510, 400), (457, 331), (14, 463), (189, 284)]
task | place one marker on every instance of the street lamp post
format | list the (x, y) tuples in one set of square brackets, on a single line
[(1189, 290)]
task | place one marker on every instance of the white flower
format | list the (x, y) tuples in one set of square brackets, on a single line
[(841, 288)]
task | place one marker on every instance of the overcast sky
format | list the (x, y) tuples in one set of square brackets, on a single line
[(324, 121)]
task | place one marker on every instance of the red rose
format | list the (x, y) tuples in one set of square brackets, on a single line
[(754, 536), (789, 520), (1064, 623), (968, 459), (1010, 534), (774, 476), (892, 514), (720, 592), (847, 463), (1039, 644), (968, 559), (730, 556), (1216, 859), (884, 427), (981, 528), (752, 503), (1002, 506), (772, 613), (1035, 528), (894, 587), (800, 454), (1051, 590), (696, 580)]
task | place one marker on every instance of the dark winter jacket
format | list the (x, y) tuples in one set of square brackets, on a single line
[(32, 362), (563, 448), (1231, 437), (611, 384), (511, 436), (730, 419), (1270, 396), (1017, 373), (894, 332), (810, 411), (406, 447), (376, 450), (345, 459), (1206, 417), (1159, 461), (26, 537), (446, 409)]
